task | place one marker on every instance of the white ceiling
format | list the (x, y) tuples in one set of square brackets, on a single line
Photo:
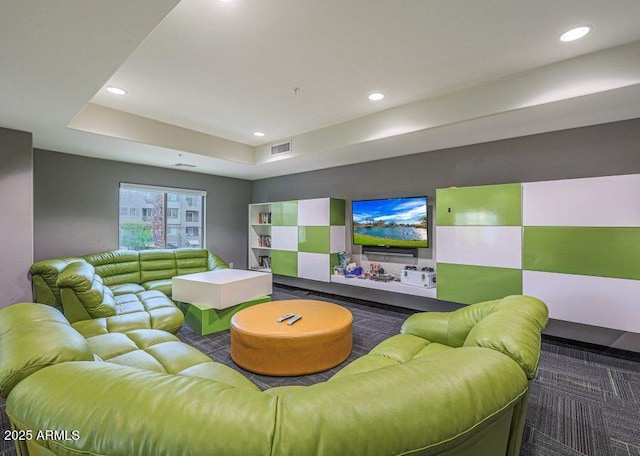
[(201, 78)]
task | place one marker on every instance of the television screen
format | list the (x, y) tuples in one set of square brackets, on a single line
[(398, 222)]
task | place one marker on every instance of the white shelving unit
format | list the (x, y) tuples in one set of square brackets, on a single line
[(260, 237)]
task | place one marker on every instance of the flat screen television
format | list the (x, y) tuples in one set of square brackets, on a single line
[(392, 222)]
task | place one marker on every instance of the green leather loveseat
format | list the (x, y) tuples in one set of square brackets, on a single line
[(119, 290), (450, 384)]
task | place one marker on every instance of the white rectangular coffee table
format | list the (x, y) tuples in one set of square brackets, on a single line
[(221, 289)]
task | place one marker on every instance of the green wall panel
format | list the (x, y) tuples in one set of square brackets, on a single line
[(470, 284), (284, 213), (337, 207), (314, 239), (593, 251), (284, 263), (205, 320), (488, 205)]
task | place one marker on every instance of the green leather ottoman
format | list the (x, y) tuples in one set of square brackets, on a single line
[(206, 320)]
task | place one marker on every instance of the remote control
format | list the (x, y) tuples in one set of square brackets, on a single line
[(294, 319), (285, 317)]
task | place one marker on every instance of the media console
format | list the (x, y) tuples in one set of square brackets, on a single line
[(394, 287)]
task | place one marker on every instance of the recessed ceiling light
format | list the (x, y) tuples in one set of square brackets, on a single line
[(376, 96), (575, 33), (258, 133), (116, 90)]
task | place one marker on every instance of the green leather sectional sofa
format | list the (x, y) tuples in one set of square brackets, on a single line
[(449, 384), (119, 290)]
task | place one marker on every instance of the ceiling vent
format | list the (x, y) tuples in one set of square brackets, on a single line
[(184, 165), (281, 148)]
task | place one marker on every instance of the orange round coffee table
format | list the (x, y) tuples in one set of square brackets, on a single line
[(322, 339)]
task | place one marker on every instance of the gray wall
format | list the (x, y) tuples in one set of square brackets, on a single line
[(16, 219), (76, 205), (600, 150)]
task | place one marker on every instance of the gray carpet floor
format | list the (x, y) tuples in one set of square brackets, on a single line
[(585, 400)]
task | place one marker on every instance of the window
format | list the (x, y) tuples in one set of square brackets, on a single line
[(192, 216), (144, 213)]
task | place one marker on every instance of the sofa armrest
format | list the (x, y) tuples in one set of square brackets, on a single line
[(34, 336), (84, 296), (215, 262), (512, 325), (514, 328), (44, 275), (432, 326)]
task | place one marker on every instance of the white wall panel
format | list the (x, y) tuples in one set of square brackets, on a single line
[(314, 212), (284, 238), (599, 301), (338, 238), (594, 201), (314, 266), (497, 246)]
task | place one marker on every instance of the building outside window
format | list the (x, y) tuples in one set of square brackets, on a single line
[(146, 221)]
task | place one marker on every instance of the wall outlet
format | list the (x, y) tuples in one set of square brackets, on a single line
[(231, 265)]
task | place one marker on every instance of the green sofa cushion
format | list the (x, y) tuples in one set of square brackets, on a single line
[(56, 342), (163, 285), (397, 349), (190, 261), (143, 310), (116, 266), (157, 265), (126, 288), (159, 351)]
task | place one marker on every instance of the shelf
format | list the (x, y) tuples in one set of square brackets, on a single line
[(394, 287), (259, 233)]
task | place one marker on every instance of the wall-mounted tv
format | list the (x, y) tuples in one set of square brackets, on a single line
[(394, 222)]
